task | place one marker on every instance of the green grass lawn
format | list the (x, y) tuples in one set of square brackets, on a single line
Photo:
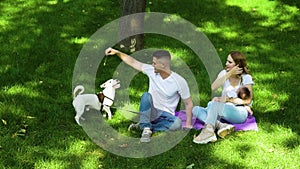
[(41, 40)]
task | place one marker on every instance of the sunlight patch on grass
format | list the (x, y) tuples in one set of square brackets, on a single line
[(52, 164), (230, 34), (52, 2), (276, 14), (4, 23), (265, 46), (63, 35), (77, 150), (280, 16), (45, 9), (268, 98), (233, 151), (90, 161), (272, 141), (281, 139), (37, 31), (287, 26), (280, 60), (78, 40), (22, 90), (76, 154), (266, 76), (177, 54), (275, 99), (211, 28), (273, 75), (253, 5), (77, 147), (11, 9)]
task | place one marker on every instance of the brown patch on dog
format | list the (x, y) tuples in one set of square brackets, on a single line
[(100, 97)]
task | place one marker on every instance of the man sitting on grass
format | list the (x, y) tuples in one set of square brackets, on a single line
[(158, 105)]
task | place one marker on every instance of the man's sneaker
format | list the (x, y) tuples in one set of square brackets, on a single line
[(224, 129), (146, 135), (207, 135)]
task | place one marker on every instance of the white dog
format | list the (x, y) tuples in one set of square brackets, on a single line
[(100, 101)]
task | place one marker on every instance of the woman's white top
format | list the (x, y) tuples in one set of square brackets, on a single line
[(231, 91)]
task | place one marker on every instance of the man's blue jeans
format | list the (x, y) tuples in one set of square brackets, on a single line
[(155, 119)]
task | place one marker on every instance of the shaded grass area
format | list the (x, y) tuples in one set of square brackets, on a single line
[(40, 42)]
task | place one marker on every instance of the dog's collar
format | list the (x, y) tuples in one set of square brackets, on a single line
[(101, 97), (108, 98)]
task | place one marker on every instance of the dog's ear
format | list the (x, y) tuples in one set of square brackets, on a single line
[(103, 85)]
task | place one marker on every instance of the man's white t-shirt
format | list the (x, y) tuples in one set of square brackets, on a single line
[(231, 91), (166, 92)]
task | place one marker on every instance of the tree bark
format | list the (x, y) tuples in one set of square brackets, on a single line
[(129, 40)]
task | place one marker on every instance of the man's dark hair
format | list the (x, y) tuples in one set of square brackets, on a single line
[(162, 54)]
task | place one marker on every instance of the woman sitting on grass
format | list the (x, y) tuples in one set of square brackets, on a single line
[(229, 106)]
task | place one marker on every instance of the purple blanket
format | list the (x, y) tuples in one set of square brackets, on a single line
[(250, 123)]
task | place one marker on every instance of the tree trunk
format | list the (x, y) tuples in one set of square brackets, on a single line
[(129, 40)]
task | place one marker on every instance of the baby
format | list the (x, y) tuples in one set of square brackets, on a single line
[(244, 94)]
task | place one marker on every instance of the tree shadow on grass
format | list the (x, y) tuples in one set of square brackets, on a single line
[(41, 42)]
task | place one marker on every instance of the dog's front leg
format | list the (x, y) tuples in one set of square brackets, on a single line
[(108, 112)]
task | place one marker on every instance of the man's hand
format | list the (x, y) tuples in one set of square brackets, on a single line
[(111, 51), (187, 127)]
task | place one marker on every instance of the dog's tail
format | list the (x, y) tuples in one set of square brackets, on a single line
[(78, 90)]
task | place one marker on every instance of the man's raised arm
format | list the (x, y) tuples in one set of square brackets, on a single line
[(125, 58)]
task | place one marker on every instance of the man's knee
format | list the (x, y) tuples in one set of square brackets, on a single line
[(146, 97), (146, 102)]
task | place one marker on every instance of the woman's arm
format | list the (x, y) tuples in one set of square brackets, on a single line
[(236, 70), (219, 81)]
